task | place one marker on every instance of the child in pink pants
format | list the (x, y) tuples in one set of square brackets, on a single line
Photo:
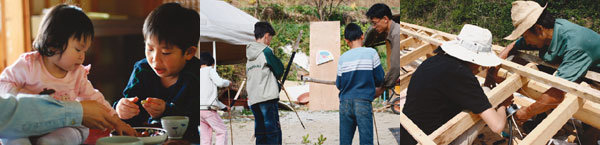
[(209, 118)]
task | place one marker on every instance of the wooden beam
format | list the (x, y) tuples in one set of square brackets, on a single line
[(463, 121), (405, 80), (444, 34), (585, 92), (528, 57), (415, 131), (421, 37), (415, 54), (522, 101), (589, 113), (549, 126), (408, 42)]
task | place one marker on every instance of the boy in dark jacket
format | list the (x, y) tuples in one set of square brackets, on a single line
[(166, 82)]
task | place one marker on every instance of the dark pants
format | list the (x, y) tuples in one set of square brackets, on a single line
[(356, 112), (266, 123)]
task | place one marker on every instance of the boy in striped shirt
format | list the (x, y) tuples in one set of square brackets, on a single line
[(359, 71)]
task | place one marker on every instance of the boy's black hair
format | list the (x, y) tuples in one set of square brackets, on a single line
[(379, 10), (173, 24), (352, 32), (206, 59), (261, 28), (58, 26), (545, 20)]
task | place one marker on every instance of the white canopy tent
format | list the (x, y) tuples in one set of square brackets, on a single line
[(225, 31)]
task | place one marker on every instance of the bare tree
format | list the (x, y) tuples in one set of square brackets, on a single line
[(325, 8)]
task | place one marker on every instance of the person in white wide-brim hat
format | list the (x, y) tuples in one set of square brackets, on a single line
[(573, 48), (445, 84), (473, 44)]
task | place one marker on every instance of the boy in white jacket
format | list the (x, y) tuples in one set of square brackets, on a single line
[(209, 119)]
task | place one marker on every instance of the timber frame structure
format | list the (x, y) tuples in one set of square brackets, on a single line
[(580, 102)]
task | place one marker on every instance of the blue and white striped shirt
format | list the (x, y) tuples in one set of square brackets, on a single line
[(359, 72)]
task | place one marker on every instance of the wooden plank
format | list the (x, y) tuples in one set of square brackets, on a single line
[(415, 131), (415, 54), (405, 80), (522, 101), (407, 42), (421, 37), (589, 113), (463, 121), (441, 33), (585, 92), (528, 57), (549, 126), (324, 36)]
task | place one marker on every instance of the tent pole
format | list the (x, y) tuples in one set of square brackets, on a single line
[(215, 53)]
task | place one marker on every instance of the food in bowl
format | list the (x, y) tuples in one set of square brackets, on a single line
[(146, 132), (149, 135)]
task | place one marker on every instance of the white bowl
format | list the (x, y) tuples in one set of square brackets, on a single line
[(158, 139)]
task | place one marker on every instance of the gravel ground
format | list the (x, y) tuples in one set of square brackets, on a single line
[(316, 123)]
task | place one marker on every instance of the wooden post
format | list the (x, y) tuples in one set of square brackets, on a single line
[(15, 28), (2, 36)]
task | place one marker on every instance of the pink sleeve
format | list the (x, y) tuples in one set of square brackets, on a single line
[(13, 77), (88, 92)]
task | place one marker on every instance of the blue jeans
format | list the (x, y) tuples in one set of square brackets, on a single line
[(266, 122), (356, 112)]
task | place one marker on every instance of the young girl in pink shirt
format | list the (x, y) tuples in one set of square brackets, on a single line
[(56, 69)]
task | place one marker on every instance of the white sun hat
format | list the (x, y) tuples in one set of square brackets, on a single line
[(524, 14), (473, 44)]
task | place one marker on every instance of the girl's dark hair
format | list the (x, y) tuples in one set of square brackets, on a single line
[(545, 20), (206, 59), (61, 23), (173, 24)]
